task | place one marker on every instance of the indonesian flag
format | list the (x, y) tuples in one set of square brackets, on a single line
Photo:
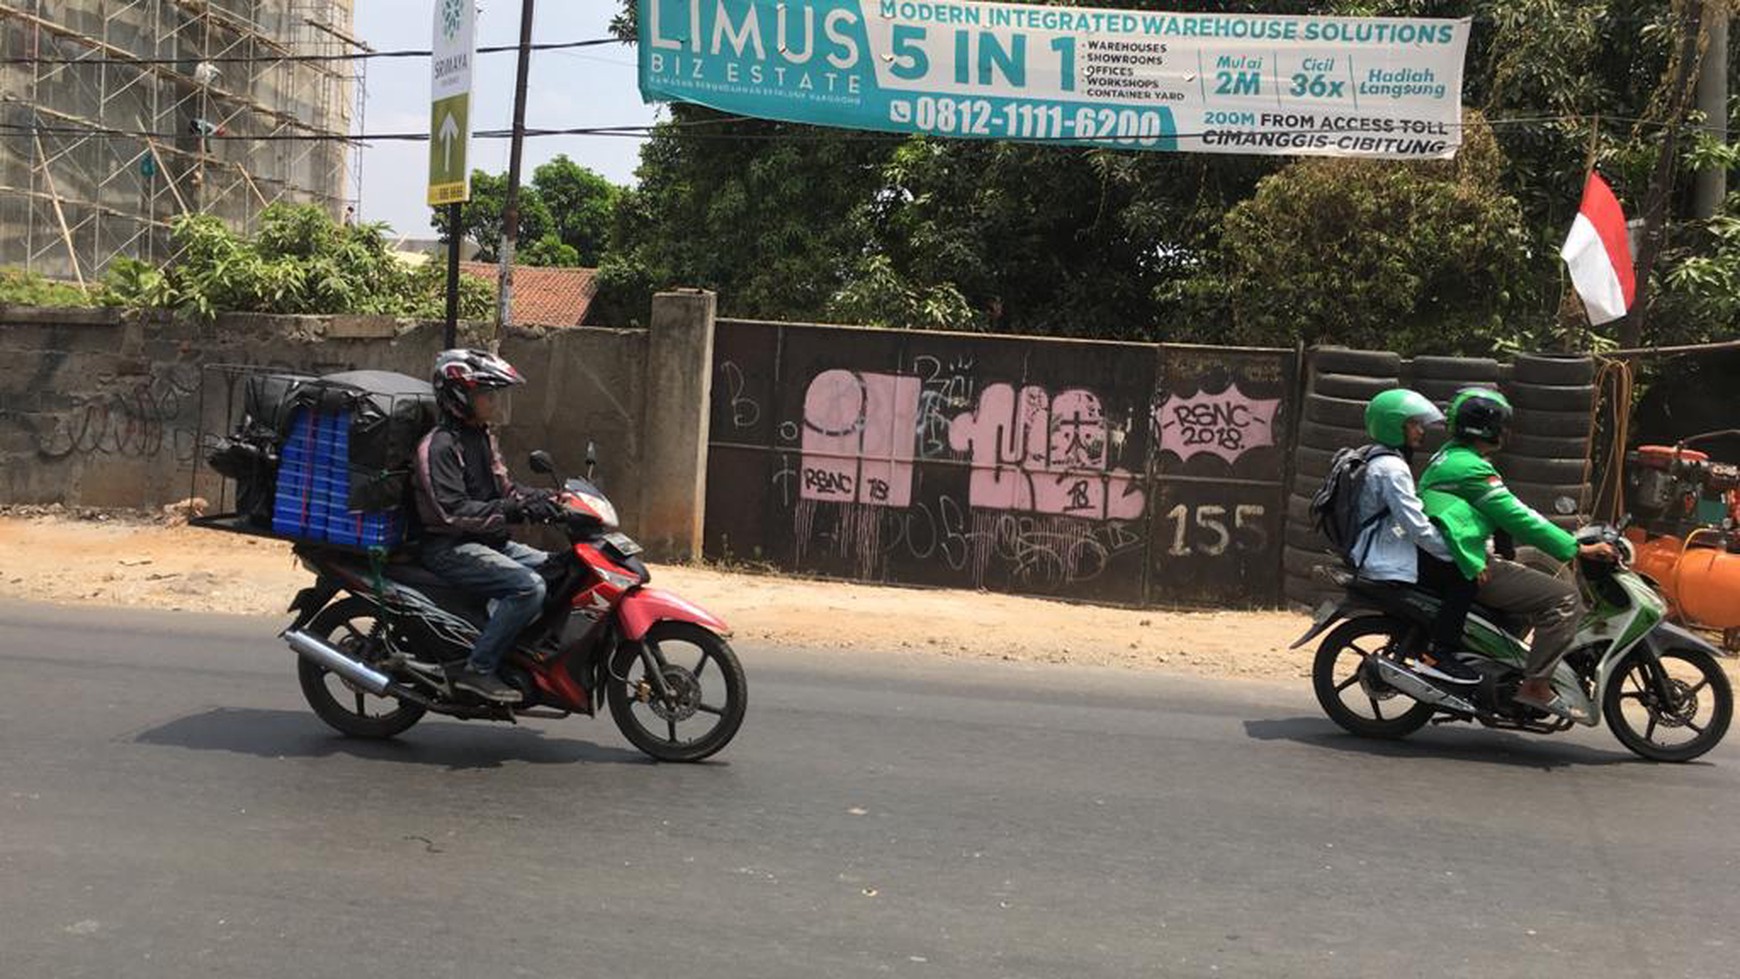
[(1599, 255)]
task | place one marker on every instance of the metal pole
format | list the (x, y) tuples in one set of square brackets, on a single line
[(450, 338), (510, 213)]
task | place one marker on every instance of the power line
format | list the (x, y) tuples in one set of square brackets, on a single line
[(275, 59), (642, 131)]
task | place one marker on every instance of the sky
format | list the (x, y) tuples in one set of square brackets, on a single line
[(583, 87)]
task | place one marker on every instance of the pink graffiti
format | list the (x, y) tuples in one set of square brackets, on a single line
[(1033, 452), (859, 438), (1227, 424)]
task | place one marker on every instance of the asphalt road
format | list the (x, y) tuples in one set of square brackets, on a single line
[(168, 807)]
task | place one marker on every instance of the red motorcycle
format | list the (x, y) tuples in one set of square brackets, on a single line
[(375, 661)]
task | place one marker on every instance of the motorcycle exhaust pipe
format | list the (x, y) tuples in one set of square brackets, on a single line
[(1417, 687), (325, 655)]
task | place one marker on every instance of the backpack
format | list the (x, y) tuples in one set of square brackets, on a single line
[(1335, 506)]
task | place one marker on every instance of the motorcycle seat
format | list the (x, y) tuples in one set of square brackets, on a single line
[(1393, 597), (414, 575)]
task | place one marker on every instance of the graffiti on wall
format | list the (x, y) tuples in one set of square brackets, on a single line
[(859, 438), (139, 420), (965, 469), (1046, 504), (1227, 423)]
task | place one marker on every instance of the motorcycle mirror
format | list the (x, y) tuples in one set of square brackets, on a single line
[(542, 464), (591, 458), (1565, 505)]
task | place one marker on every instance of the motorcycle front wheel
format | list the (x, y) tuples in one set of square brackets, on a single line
[(1672, 707), (707, 698), (1350, 690), (351, 625)]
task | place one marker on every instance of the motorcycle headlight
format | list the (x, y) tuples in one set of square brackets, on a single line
[(604, 508)]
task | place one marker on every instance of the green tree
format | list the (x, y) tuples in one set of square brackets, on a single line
[(1426, 257), (761, 216), (580, 203), (480, 218), (565, 214)]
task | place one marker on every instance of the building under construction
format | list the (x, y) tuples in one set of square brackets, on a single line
[(116, 116)]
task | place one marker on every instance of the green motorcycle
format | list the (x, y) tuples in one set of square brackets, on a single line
[(1661, 689)]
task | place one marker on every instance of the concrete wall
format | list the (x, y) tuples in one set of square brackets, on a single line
[(103, 410)]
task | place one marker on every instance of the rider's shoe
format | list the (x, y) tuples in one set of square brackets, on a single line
[(485, 685), (1445, 667)]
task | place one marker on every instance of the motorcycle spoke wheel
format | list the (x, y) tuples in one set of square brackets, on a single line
[(1674, 708), (1349, 690), (705, 703), (349, 626)]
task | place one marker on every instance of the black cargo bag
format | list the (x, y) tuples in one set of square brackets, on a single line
[(389, 414), (249, 455)]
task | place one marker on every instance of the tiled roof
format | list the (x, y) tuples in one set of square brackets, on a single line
[(544, 296)]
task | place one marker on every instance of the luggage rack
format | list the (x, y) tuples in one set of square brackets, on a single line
[(236, 523), (248, 418)]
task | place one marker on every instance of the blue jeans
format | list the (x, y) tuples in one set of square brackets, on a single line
[(503, 573)]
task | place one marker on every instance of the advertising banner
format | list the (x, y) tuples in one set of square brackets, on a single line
[(1198, 83)]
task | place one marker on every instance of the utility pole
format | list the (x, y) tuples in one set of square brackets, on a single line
[(1712, 185), (510, 214)]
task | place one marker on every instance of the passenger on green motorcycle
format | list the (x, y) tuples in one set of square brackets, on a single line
[(1398, 537), (1466, 497)]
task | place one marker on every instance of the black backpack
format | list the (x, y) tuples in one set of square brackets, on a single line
[(1335, 507)]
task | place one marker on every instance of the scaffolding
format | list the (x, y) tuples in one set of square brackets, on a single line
[(116, 116)]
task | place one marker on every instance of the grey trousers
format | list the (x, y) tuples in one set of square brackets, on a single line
[(1553, 605)]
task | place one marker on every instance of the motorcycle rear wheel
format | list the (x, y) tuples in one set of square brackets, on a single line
[(651, 725), (1703, 704), (1340, 672), (347, 624)]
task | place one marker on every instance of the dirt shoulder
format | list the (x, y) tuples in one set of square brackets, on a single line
[(103, 559)]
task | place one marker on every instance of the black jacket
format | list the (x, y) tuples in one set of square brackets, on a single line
[(463, 489)]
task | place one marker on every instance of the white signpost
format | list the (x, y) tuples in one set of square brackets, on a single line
[(450, 102)]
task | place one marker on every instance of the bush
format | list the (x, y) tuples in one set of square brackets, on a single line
[(21, 288), (300, 261)]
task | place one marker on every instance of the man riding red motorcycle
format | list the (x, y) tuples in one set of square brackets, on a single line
[(466, 501)]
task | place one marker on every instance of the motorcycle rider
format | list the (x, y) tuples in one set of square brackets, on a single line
[(1465, 495), (466, 501), (1398, 537)]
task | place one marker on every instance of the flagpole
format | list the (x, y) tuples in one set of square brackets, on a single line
[(1573, 318)]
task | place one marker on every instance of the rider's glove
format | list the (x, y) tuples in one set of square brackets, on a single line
[(542, 509), (513, 509)]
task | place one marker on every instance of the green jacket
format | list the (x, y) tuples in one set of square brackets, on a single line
[(1468, 500)]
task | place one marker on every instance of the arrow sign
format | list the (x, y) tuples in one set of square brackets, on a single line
[(450, 132), (449, 129)]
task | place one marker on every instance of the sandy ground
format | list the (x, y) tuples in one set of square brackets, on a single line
[(117, 560)]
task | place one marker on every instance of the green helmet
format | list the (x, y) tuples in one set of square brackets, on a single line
[(1388, 414)]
